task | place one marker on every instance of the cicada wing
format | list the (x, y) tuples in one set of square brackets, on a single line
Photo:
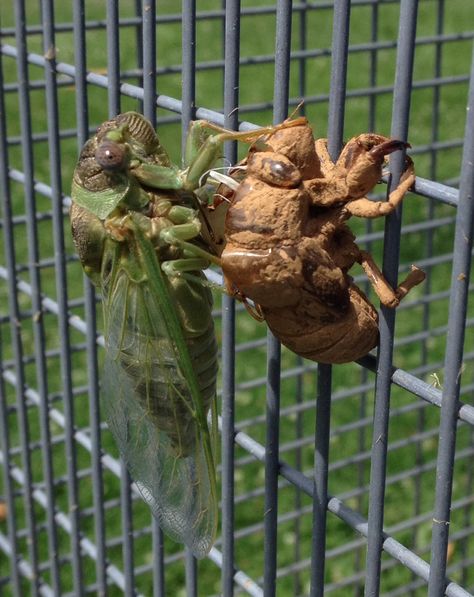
[(152, 417)]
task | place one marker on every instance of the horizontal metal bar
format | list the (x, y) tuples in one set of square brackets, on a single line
[(242, 579), (200, 15), (416, 386), (62, 519), (355, 459), (24, 567), (175, 105), (349, 516), (399, 377)]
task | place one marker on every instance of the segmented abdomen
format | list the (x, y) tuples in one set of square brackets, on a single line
[(320, 334)]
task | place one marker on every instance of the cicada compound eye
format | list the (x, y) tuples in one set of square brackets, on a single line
[(110, 155)]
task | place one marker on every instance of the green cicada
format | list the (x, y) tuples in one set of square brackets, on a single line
[(136, 223)]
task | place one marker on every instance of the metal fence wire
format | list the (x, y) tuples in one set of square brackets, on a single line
[(345, 480)]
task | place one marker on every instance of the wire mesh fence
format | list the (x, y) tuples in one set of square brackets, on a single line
[(348, 480)]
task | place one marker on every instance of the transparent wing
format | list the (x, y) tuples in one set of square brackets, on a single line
[(153, 415)]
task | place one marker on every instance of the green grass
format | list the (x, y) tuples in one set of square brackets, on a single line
[(256, 87)]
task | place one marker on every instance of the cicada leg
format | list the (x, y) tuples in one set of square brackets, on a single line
[(186, 227), (204, 145), (390, 297)]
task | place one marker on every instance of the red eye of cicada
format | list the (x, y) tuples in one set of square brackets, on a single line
[(110, 155)]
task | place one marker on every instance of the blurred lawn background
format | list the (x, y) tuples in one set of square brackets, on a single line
[(436, 132)]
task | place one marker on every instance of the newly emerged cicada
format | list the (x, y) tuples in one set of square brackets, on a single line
[(136, 223)]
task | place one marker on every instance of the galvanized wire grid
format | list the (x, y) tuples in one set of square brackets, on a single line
[(398, 466)]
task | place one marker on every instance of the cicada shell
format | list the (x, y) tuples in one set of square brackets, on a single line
[(289, 248)]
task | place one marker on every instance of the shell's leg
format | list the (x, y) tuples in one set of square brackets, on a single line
[(326, 162), (388, 296), (330, 189), (364, 208)]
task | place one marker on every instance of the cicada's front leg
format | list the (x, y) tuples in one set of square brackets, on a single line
[(365, 208), (355, 173)]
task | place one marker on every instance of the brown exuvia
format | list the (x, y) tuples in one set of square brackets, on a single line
[(289, 249)]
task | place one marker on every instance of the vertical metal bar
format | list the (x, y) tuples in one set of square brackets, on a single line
[(139, 43), (271, 463), (337, 94), (321, 463), (374, 24), (280, 112), (303, 44), (188, 24), (82, 119), (188, 92), (429, 244), (16, 342), (340, 43), (437, 88), (149, 60), (33, 259), (147, 56), (298, 502), (231, 101), (400, 119), (61, 287), (454, 354), (363, 433), (359, 562), (158, 560), (191, 574), (113, 72), (281, 87), (127, 529), (113, 57)]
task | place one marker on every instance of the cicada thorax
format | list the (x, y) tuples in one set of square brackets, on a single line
[(138, 337)]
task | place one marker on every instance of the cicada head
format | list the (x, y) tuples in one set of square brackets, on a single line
[(103, 177), (94, 187)]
